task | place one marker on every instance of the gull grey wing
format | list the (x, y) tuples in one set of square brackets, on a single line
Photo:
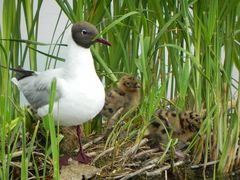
[(36, 88)]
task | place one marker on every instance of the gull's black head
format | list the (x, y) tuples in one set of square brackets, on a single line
[(83, 34)]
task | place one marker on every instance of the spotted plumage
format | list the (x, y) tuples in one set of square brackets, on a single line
[(126, 95), (184, 125)]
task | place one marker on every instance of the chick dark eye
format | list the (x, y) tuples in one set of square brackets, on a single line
[(110, 110), (84, 32)]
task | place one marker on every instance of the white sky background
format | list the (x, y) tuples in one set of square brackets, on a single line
[(49, 13)]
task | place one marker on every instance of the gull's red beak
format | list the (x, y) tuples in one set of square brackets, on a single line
[(103, 41)]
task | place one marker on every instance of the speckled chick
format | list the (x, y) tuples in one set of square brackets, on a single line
[(184, 126), (126, 94)]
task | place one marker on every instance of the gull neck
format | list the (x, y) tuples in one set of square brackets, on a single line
[(79, 61)]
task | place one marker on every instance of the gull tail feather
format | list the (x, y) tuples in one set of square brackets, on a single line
[(20, 72)]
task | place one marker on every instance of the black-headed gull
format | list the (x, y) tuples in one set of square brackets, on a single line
[(79, 94)]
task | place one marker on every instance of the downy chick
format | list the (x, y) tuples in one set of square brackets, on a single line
[(184, 126), (126, 95)]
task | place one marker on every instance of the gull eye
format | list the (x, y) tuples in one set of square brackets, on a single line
[(83, 32)]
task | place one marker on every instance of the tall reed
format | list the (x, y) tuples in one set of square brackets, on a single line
[(191, 46)]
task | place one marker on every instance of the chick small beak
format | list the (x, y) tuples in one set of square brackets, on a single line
[(137, 85), (103, 41)]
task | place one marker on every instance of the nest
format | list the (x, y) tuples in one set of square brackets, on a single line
[(129, 158)]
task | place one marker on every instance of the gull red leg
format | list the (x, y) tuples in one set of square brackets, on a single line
[(81, 157), (63, 160)]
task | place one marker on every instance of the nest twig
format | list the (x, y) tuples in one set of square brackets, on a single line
[(131, 151), (138, 172), (94, 141), (102, 154), (112, 121), (164, 168), (148, 153)]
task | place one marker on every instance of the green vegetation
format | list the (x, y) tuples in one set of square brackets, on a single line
[(176, 47)]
